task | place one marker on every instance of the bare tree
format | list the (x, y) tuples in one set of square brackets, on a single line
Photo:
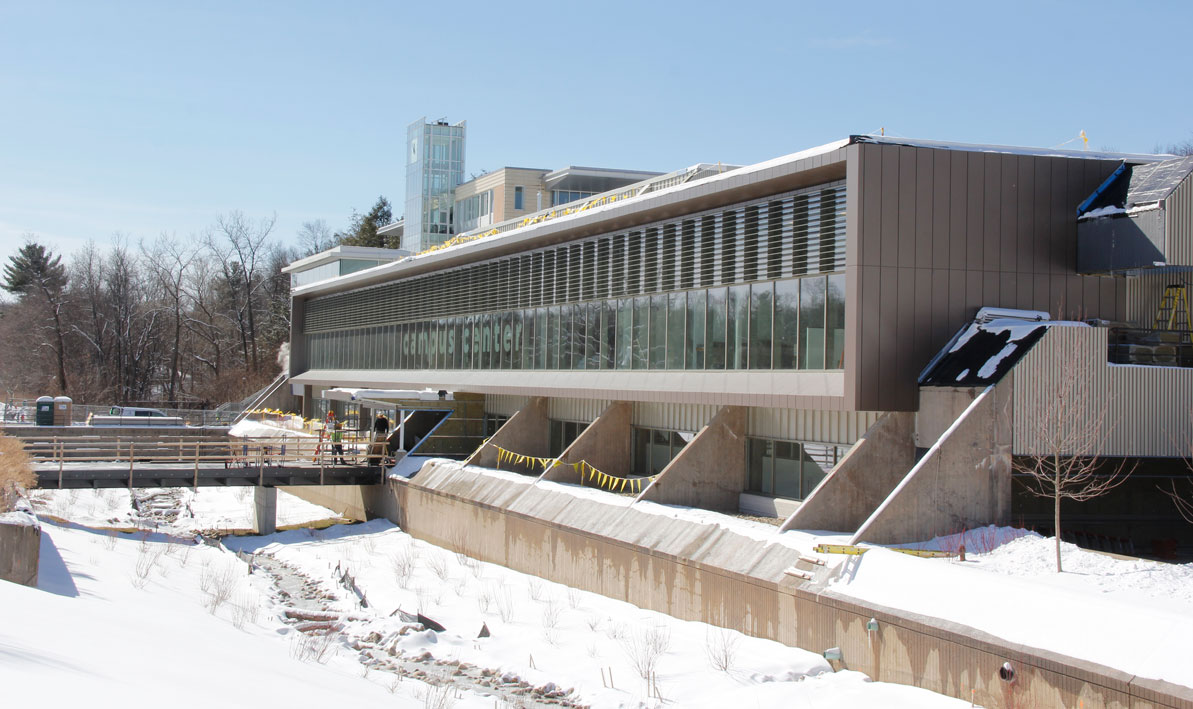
[(169, 262), (315, 237), (1183, 499), (240, 246), (1071, 424)]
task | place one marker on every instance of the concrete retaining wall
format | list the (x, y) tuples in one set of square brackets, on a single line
[(699, 570), (710, 471), (20, 548)]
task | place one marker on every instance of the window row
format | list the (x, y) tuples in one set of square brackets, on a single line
[(796, 323), (653, 449), (790, 235), (788, 469)]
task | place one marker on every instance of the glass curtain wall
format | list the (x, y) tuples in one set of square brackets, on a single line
[(788, 469)]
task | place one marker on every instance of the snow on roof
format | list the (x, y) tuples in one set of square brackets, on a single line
[(1007, 149), (1136, 188), (985, 350)]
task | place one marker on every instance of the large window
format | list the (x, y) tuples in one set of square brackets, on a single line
[(518, 197), (563, 434), (654, 449), (788, 469)]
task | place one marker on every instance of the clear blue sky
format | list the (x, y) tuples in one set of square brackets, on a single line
[(153, 117)]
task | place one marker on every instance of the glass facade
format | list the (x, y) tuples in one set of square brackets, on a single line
[(561, 197), (434, 168), (335, 269), (788, 469), (475, 211), (759, 285), (688, 330)]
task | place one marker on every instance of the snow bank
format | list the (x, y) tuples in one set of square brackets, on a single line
[(1132, 615), (247, 428)]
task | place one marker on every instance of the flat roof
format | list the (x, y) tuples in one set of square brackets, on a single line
[(337, 253)]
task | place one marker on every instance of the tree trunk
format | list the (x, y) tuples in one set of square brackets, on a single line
[(1056, 507), (61, 349)]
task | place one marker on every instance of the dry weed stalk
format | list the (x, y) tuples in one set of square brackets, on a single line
[(16, 473)]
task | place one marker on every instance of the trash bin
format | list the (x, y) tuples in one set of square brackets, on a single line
[(45, 411), (63, 410)]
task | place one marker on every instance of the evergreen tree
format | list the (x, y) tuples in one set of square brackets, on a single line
[(34, 268), (36, 272), (363, 231)]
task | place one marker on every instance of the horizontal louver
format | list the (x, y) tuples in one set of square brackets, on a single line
[(792, 234)]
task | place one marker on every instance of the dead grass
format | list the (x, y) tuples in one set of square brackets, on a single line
[(16, 474)]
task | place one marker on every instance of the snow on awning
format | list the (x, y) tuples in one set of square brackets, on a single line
[(386, 395)]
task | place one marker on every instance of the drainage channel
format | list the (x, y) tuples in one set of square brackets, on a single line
[(310, 610)]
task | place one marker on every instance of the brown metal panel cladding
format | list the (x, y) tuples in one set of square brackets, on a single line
[(870, 162), (1063, 245), (854, 322), (941, 205), (908, 187), (974, 290), (942, 320), (1009, 222), (991, 292), (1041, 198), (992, 213), (907, 342), (975, 211), (853, 202), (958, 204), (923, 208), (925, 343), (1008, 291), (888, 333), (889, 196), (1025, 221), (870, 336)]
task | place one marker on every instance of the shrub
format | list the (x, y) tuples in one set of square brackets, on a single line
[(16, 474)]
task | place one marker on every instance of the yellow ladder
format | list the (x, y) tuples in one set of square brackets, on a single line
[(1174, 313)]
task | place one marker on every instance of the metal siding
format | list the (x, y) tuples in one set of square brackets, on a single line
[(1145, 291), (673, 417), (504, 404), (1179, 225), (840, 427), (1146, 408), (582, 410)]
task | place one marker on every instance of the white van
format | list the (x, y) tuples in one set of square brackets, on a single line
[(134, 416)]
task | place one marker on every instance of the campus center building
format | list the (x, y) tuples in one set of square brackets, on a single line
[(865, 336)]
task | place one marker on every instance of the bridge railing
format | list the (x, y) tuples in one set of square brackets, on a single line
[(356, 451)]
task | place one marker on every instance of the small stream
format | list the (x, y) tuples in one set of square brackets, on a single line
[(311, 609)]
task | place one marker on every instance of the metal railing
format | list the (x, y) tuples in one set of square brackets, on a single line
[(355, 451)]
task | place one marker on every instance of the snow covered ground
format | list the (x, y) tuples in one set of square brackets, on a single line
[(1129, 614), (177, 510), (120, 616)]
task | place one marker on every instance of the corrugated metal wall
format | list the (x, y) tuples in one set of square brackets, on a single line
[(1179, 227), (582, 410), (504, 404), (1145, 291), (841, 427), (673, 417), (1130, 410)]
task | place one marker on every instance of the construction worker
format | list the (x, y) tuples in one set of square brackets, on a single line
[(337, 443)]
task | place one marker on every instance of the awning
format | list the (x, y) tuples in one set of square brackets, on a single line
[(386, 397)]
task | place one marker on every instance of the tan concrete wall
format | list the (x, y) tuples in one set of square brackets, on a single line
[(710, 471), (862, 479), (712, 575), (20, 547), (939, 408), (963, 482), (525, 433), (605, 445)]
